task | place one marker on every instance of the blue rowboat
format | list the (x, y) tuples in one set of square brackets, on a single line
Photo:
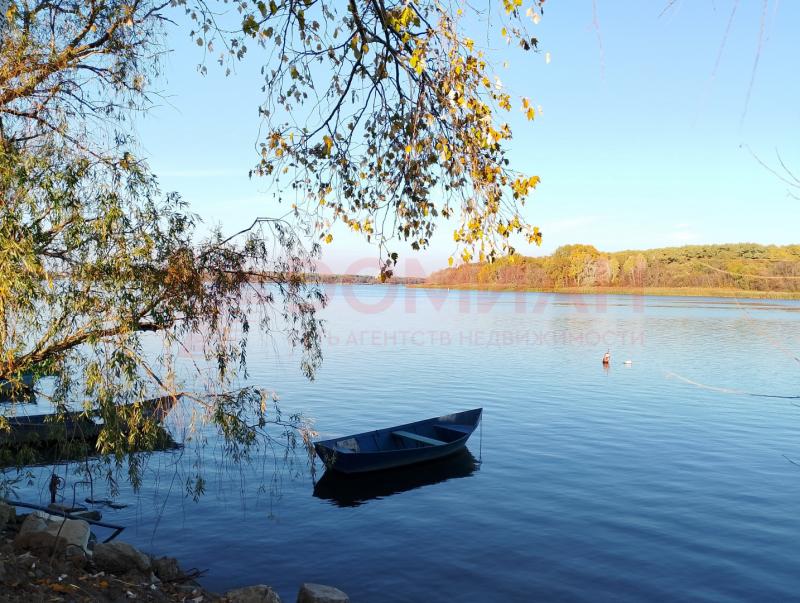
[(400, 445)]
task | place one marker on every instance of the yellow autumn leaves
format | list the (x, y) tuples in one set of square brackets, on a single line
[(400, 18), (527, 109), (417, 60), (511, 5), (410, 131), (521, 186)]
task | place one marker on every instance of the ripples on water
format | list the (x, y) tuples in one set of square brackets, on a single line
[(661, 480)]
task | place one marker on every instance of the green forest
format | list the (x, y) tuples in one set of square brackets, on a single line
[(690, 269)]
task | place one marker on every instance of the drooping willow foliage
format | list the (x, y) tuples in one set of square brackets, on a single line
[(94, 257), (384, 116)]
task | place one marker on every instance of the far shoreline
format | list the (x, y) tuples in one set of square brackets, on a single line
[(643, 291)]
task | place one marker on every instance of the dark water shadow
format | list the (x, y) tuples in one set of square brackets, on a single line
[(17, 392), (20, 455), (355, 490)]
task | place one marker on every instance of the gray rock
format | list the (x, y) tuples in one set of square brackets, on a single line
[(319, 593), (167, 569), (33, 523), (33, 537), (260, 593), (119, 557), (7, 514), (48, 537), (74, 532)]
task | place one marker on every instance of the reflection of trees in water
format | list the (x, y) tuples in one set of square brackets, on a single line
[(186, 458)]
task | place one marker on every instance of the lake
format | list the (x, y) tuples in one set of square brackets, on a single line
[(669, 478)]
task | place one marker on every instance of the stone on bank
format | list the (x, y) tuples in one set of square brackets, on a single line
[(46, 533), (42, 535), (319, 593), (167, 569), (7, 514), (119, 557), (260, 593)]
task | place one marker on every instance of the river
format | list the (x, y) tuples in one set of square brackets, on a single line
[(667, 478)]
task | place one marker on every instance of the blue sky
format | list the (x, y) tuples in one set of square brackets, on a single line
[(642, 141)]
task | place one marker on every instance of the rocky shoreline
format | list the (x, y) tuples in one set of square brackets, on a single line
[(49, 558)]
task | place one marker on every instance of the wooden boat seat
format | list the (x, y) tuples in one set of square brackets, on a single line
[(460, 429), (418, 438)]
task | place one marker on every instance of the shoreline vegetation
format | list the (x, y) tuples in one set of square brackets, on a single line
[(738, 270), (364, 279)]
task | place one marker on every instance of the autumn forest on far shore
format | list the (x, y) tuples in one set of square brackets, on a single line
[(757, 270)]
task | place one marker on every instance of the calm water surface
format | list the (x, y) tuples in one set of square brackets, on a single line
[(666, 479)]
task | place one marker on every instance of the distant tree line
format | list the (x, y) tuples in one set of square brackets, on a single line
[(745, 266), (362, 279)]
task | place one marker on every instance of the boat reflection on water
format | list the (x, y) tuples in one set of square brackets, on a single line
[(18, 390), (30, 440), (73, 450), (345, 490)]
